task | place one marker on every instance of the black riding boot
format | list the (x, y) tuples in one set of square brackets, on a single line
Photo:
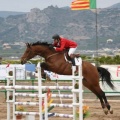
[(73, 61), (73, 65)]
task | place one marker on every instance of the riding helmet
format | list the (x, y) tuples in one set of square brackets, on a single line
[(56, 36)]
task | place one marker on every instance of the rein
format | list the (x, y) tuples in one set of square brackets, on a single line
[(41, 53), (51, 55)]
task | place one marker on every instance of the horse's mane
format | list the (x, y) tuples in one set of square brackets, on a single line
[(45, 44), (40, 43)]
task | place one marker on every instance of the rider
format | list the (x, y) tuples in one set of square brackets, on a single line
[(61, 44)]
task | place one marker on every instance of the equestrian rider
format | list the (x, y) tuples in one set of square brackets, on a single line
[(61, 44)]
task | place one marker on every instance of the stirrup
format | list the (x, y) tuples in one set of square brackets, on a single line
[(76, 73), (74, 68)]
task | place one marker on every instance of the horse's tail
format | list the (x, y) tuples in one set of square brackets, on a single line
[(105, 76)]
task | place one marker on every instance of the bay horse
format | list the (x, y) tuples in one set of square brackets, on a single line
[(55, 62)]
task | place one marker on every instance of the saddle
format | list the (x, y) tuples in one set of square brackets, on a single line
[(77, 55)]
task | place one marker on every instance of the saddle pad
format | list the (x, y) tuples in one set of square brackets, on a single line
[(78, 61)]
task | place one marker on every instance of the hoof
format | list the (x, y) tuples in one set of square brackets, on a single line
[(48, 78), (105, 111), (111, 111)]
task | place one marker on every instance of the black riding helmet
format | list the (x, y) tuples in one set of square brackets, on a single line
[(56, 36)]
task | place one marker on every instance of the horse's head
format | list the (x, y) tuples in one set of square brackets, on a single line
[(28, 54), (42, 49)]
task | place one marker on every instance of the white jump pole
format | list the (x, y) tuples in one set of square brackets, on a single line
[(14, 97), (39, 93), (40, 97), (79, 91), (8, 101), (36, 87), (80, 94), (13, 78), (74, 94)]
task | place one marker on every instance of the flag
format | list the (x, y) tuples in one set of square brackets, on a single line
[(83, 4)]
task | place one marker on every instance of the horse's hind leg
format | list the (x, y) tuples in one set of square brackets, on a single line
[(106, 103), (98, 92), (103, 104), (99, 95)]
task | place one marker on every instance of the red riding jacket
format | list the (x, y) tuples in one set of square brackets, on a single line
[(65, 44)]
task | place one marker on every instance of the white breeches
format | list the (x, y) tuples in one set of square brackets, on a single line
[(71, 51)]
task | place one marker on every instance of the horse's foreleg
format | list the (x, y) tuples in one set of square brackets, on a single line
[(43, 74), (44, 66)]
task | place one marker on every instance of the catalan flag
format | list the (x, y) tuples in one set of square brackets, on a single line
[(83, 4)]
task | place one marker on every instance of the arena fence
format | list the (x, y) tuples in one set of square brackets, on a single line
[(39, 88)]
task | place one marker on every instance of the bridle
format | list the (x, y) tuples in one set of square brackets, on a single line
[(30, 51)]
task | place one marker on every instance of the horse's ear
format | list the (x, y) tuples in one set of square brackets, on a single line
[(27, 44)]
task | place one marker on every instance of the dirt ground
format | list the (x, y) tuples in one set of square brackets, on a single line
[(96, 112)]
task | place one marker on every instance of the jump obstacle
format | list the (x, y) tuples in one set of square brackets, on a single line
[(39, 88)]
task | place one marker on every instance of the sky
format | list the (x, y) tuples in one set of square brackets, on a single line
[(27, 5)]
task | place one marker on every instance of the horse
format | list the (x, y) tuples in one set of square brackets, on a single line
[(55, 62)]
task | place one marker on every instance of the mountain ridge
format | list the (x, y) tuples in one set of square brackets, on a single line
[(77, 25), (5, 14)]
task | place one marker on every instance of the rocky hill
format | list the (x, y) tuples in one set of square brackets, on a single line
[(5, 14), (83, 26)]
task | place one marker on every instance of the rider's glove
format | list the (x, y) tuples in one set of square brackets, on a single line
[(54, 48), (51, 46)]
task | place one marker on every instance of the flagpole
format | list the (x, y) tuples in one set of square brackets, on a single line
[(96, 16), (88, 4)]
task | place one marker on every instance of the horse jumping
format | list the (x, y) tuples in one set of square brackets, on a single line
[(55, 62)]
